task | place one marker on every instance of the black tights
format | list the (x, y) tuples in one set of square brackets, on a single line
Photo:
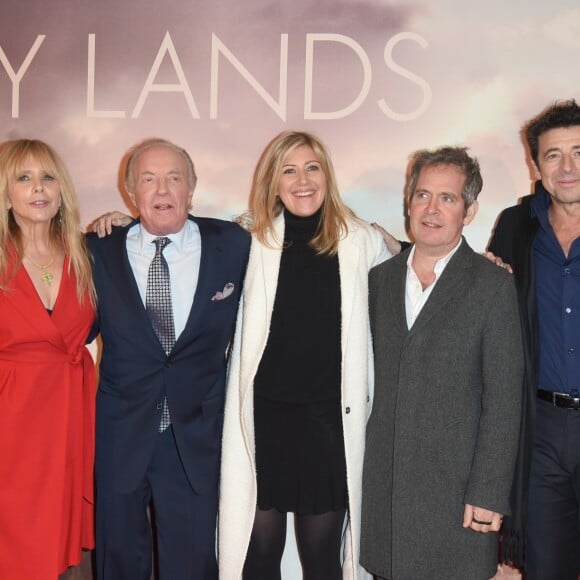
[(318, 538)]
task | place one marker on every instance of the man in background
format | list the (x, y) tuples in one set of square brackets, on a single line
[(539, 239)]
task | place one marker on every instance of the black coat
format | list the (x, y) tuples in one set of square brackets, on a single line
[(513, 241)]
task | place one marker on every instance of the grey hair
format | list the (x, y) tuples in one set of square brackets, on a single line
[(141, 147), (456, 156)]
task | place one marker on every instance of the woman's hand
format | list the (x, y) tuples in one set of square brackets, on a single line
[(498, 261), (393, 245), (103, 226)]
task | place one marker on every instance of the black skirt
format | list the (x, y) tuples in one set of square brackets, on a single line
[(300, 458)]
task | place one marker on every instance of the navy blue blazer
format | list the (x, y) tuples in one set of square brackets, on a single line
[(135, 372)]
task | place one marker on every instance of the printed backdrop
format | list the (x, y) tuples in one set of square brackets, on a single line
[(375, 79)]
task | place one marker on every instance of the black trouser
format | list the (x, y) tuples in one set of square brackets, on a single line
[(553, 534)]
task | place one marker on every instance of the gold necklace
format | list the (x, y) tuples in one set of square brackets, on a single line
[(45, 277)]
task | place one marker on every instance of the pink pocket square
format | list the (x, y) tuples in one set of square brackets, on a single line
[(223, 294)]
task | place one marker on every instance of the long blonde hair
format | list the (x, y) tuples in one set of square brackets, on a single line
[(65, 226), (265, 204)]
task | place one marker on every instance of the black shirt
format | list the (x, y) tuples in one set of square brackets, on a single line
[(302, 359)]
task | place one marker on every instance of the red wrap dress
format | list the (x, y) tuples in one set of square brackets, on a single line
[(47, 394)]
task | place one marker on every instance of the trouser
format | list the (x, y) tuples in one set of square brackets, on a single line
[(184, 522), (553, 533)]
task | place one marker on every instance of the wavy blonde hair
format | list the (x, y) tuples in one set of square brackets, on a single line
[(65, 226), (265, 204)]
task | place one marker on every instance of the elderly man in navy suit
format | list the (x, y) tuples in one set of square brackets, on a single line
[(168, 288)]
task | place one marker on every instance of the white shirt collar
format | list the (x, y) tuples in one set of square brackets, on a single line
[(439, 265), (178, 240), (415, 296)]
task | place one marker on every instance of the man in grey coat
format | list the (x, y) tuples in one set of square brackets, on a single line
[(442, 436)]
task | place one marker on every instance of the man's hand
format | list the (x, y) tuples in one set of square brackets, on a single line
[(481, 520)]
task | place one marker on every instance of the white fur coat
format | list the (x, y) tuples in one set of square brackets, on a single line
[(360, 250)]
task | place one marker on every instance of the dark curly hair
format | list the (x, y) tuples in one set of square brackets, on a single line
[(559, 115)]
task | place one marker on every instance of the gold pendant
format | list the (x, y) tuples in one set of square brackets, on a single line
[(47, 278)]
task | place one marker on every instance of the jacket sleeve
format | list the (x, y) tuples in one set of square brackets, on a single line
[(502, 239), (492, 468)]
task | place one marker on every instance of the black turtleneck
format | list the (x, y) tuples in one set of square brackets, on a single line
[(302, 359)]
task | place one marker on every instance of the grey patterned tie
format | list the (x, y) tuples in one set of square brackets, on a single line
[(160, 310)]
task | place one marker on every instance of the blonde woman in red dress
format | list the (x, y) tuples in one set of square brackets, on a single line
[(47, 381)]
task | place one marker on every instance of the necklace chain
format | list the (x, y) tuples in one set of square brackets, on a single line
[(41, 266), (45, 277)]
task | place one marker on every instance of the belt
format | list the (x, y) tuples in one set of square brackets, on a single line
[(562, 400)]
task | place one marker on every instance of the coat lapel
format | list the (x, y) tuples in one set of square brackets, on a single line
[(270, 263), (117, 262), (348, 262), (448, 287), (207, 282), (394, 289), (259, 296)]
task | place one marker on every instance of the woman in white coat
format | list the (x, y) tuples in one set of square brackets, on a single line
[(299, 388)]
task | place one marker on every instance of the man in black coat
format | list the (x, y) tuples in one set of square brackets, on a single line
[(539, 238)]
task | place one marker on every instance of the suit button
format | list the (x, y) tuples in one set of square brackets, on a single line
[(168, 364), (159, 406), (347, 410)]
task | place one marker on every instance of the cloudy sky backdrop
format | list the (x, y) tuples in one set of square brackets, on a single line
[(460, 73)]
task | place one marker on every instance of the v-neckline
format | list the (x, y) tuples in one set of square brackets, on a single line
[(46, 308)]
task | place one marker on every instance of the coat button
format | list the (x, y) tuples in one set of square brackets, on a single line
[(347, 410), (168, 364), (159, 406)]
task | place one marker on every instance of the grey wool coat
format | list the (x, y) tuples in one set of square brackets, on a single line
[(444, 425)]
